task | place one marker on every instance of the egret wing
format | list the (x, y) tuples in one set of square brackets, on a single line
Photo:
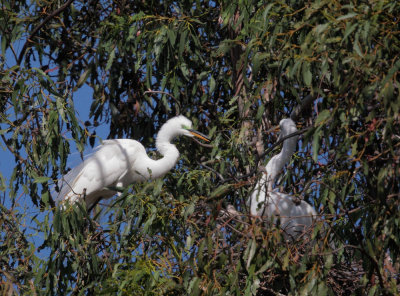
[(109, 163)]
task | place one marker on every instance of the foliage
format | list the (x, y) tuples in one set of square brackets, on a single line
[(235, 68)]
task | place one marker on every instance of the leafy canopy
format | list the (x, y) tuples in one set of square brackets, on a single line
[(235, 68)]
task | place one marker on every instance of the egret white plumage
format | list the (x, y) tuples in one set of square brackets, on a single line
[(269, 204), (121, 162)]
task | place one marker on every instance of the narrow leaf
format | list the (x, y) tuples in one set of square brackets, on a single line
[(322, 117), (307, 76), (316, 144), (83, 78), (41, 179)]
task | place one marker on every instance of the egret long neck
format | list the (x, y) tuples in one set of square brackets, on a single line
[(276, 164), (288, 148), (160, 167), (169, 151)]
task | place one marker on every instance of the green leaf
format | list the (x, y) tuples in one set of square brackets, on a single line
[(296, 66), (83, 78), (212, 84), (4, 131), (285, 261), (322, 117), (182, 44), (349, 29), (45, 197), (185, 70), (189, 210), (203, 75), (356, 47), (316, 144), (391, 72), (43, 75), (347, 16), (221, 190), (251, 253), (258, 61), (260, 112), (41, 179), (110, 59), (354, 149), (307, 76), (171, 37), (321, 28), (189, 242), (3, 45)]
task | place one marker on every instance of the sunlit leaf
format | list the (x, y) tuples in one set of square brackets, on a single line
[(41, 179)]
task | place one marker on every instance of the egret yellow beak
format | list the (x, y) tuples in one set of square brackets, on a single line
[(199, 135)]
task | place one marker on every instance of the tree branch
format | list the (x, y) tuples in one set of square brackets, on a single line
[(177, 106), (305, 102), (38, 27), (202, 144)]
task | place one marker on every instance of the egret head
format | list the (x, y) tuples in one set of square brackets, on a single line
[(180, 125), (287, 126), (186, 128)]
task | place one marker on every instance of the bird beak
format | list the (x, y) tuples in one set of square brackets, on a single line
[(199, 135), (274, 129)]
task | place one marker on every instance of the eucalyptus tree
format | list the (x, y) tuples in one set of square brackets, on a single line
[(235, 68)]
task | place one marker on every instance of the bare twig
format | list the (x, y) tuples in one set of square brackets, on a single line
[(202, 144), (177, 106), (212, 170)]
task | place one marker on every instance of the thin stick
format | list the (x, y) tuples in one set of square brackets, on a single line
[(178, 106)]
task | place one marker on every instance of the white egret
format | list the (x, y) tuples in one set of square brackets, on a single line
[(264, 202), (121, 162)]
